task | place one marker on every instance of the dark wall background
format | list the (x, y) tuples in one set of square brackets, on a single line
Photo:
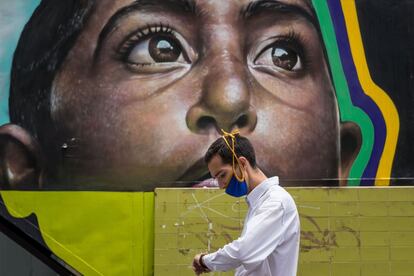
[(387, 28), (15, 260)]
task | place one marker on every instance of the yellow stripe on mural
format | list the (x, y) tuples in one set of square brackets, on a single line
[(379, 96)]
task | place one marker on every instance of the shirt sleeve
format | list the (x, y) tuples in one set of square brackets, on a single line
[(264, 232)]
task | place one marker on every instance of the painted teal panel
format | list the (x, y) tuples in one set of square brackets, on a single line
[(13, 16)]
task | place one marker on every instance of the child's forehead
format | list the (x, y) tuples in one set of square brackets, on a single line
[(199, 7)]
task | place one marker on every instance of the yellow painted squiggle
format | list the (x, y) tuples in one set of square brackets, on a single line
[(380, 97)]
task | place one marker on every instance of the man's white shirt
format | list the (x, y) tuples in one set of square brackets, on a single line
[(269, 243)]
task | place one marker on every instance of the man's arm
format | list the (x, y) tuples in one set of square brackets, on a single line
[(265, 231)]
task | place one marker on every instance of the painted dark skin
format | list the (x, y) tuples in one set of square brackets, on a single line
[(143, 99)]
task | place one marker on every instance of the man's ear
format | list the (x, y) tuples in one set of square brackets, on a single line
[(243, 161), (351, 140), (20, 160)]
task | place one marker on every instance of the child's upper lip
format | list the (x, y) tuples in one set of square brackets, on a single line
[(210, 182), (195, 173)]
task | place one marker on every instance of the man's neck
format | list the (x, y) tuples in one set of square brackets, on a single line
[(256, 178)]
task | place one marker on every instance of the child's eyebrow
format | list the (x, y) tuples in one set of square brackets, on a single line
[(254, 8), (178, 6)]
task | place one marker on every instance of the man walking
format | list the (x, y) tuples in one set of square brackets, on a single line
[(269, 243)]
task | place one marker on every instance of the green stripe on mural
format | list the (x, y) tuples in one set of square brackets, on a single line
[(348, 111)]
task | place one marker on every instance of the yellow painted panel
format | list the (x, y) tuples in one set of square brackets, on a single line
[(97, 233)]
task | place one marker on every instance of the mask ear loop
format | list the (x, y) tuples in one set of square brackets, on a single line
[(232, 135)]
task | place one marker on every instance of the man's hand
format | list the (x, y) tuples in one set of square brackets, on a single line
[(197, 266)]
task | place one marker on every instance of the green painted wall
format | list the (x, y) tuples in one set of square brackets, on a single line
[(344, 231)]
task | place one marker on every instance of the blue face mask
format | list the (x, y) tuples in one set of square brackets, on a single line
[(236, 187)]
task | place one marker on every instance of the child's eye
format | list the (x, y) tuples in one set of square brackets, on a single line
[(280, 56), (156, 49), (286, 53)]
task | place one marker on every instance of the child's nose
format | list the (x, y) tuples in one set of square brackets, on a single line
[(225, 100)]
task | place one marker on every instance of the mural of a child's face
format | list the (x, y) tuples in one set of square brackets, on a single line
[(149, 84)]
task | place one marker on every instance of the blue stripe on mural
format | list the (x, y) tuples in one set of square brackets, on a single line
[(359, 98)]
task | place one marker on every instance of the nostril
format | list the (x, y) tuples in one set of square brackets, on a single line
[(206, 122), (242, 121)]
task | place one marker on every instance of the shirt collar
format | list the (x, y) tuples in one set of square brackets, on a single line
[(260, 189)]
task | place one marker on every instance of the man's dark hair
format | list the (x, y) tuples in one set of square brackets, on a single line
[(242, 147)]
